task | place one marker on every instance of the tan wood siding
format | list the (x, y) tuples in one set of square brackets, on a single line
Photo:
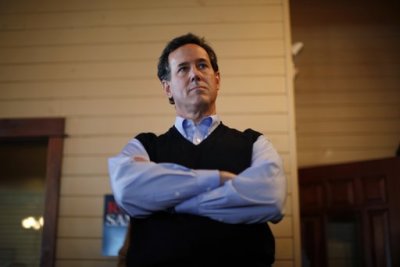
[(95, 65)]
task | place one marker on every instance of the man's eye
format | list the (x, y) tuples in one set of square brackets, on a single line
[(182, 69), (202, 65)]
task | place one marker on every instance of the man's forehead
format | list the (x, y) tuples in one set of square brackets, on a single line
[(188, 53)]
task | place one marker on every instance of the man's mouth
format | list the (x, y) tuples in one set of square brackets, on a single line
[(197, 88)]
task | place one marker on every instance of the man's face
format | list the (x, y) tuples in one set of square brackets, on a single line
[(194, 84)]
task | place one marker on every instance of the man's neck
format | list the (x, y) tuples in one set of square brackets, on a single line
[(196, 116)]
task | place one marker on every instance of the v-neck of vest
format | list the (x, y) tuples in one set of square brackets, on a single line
[(208, 138)]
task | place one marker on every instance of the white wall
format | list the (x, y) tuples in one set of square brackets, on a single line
[(94, 63)]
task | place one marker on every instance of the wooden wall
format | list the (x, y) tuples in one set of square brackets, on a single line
[(94, 63), (347, 88)]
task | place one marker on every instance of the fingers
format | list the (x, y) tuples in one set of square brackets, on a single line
[(140, 159), (226, 176)]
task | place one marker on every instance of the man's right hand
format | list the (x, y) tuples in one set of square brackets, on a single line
[(225, 176)]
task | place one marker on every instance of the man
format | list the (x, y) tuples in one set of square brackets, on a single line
[(201, 193)]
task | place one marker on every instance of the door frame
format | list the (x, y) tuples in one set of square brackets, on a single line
[(53, 129)]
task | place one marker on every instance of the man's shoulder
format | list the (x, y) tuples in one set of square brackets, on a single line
[(252, 133), (146, 136), (150, 136), (248, 133)]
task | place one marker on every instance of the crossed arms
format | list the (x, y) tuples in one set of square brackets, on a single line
[(256, 195)]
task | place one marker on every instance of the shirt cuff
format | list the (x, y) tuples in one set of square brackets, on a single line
[(190, 206), (208, 179)]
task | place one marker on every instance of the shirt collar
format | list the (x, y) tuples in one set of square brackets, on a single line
[(208, 125)]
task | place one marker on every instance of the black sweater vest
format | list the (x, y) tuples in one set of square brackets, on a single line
[(171, 239)]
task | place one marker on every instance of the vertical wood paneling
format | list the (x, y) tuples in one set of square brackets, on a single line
[(95, 65), (293, 181)]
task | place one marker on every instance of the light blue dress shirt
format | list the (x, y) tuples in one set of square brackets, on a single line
[(196, 133), (142, 187)]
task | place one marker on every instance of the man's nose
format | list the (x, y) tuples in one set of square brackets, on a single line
[(194, 74)]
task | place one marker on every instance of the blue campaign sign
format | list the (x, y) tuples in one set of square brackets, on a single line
[(115, 225)]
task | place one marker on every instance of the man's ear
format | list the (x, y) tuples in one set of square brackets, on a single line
[(218, 79), (167, 88)]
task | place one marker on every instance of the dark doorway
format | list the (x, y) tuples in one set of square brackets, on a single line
[(350, 214), (30, 155), (22, 190)]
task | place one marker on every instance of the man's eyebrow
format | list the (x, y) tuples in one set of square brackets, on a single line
[(202, 60), (185, 63), (199, 60)]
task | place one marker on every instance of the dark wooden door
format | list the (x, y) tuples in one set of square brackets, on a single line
[(350, 213)]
